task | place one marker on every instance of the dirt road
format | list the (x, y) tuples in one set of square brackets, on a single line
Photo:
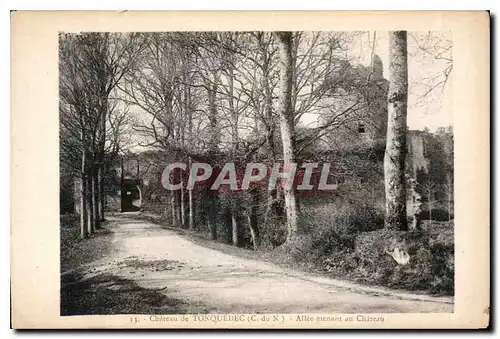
[(160, 271)]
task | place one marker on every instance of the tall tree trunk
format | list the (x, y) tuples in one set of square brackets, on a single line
[(235, 222), (429, 204), (274, 205), (286, 116), (122, 176), (449, 207), (227, 222), (212, 150), (212, 213), (95, 198), (178, 209), (235, 139), (232, 110), (83, 198), (100, 166), (252, 218), (173, 204), (189, 114), (88, 196), (191, 203), (191, 209), (235, 228), (254, 230), (101, 190), (449, 210), (183, 204), (395, 152)]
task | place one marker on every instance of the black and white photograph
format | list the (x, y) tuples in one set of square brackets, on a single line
[(254, 172), (250, 170)]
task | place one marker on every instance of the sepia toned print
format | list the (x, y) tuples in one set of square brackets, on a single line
[(134, 105), (257, 178)]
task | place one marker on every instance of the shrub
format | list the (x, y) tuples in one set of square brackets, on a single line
[(431, 260), (335, 225), (273, 232), (437, 215), (348, 240), (69, 229)]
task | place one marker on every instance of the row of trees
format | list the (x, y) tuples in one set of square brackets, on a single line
[(91, 123), (243, 96)]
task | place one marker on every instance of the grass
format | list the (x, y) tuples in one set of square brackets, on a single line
[(75, 251)]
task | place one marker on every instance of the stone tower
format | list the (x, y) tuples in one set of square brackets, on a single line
[(367, 126)]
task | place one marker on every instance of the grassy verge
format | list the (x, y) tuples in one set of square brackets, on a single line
[(75, 251)]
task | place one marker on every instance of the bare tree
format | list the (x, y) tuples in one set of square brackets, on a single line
[(429, 189), (449, 195), (432, 51), (78, 118), (179, 72), (91, 66)]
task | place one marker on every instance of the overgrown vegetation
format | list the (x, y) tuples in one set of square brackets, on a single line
[(247, 97), (73, 250), (346, 251)]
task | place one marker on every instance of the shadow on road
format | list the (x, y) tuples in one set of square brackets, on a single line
[(109, 294)]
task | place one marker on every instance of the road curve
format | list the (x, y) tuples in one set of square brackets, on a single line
[(165, 261)]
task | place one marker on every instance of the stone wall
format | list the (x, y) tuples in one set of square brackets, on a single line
[(417, 156)]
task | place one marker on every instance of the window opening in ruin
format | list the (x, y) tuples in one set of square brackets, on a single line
[(361, 128)]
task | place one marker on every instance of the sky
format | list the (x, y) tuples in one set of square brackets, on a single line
[(432, 112), (436, 110)]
